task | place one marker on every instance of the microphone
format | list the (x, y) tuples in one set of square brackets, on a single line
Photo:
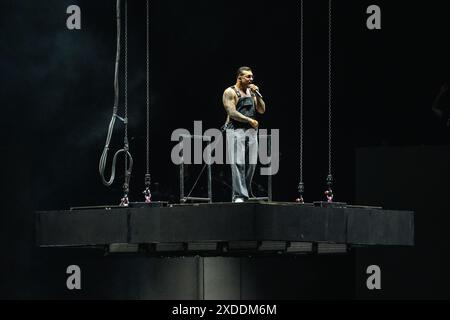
[(258, 94)]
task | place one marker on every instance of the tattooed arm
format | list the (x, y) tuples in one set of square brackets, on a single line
[(229, 105)]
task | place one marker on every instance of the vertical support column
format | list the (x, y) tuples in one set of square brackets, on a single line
[(209, 175), (222, 278), (201, 278), (269, 178), (182, 171)]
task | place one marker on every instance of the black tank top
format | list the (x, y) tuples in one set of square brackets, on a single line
[(246, 106)]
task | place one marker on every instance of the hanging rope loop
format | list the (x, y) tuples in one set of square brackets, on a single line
[(125, 150)]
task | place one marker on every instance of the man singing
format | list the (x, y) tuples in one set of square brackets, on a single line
[(241, 103)]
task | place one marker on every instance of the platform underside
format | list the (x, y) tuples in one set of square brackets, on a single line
[(226, 228)]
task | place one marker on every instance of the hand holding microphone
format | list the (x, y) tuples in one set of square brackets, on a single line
[(255, 89)]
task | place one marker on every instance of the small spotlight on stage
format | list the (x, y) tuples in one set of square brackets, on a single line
[(300, 247), (123, 248), (169, 246), (202, 246), (272, 246), (242, 245), (324, 248)]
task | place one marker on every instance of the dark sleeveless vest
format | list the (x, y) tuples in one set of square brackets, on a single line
[(246, 106)]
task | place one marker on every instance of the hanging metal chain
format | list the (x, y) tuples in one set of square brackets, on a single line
[(128, 167), (301, 186), (329, 192), (147, 192)]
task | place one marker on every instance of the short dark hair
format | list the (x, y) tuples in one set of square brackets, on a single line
[(242, 69)]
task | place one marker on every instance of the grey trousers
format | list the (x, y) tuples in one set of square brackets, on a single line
[(242, 155)]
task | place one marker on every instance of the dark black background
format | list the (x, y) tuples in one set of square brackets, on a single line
[(57, 95)]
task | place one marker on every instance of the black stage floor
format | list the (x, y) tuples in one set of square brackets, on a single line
[(225, 228)]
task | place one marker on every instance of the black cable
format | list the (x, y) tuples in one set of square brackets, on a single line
[(104, 156)]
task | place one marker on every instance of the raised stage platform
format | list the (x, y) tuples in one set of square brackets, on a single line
[(226, 228)]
